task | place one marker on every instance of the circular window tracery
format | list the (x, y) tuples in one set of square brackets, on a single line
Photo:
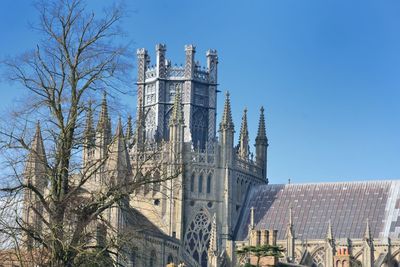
[(197, 237)]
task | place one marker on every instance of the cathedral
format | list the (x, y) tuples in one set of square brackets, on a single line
[(220, 200)]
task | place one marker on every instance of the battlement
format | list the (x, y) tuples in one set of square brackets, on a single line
[(164, 69)]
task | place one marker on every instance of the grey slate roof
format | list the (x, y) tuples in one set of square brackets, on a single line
[(347, 205)]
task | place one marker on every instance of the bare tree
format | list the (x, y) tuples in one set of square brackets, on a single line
[(78, 60)]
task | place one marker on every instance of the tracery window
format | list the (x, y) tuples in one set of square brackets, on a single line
[(200, 183), (319, 258), (199, 128), (209, 184), (197, 237)]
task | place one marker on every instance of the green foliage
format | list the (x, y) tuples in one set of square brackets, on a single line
[(259, 252)]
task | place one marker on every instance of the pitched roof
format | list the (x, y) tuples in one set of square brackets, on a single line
[(347, 205)]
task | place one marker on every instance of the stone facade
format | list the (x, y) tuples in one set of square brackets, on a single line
[(202, 215)]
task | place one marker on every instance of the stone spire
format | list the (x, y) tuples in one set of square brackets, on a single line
[(103, 124), (35, 174), (244, 137), (367, 234), (118, 162), (368, 247), (177, 114), (129, 131), (261, 133), (227, 123), (36, 162), (262, 144), (330, 246)]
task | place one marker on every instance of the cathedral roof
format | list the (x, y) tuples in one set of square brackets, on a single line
[(348, 206)]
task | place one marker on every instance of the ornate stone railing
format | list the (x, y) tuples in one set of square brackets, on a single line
[(151, 72), (248, 166), (175, 72), (201, 75)]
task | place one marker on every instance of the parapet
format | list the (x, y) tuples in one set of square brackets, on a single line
[(163, 69)]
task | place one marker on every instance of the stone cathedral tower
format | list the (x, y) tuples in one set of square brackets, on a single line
[(158, 85), (177, 106)]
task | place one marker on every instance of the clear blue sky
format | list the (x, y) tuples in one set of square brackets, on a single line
[(327, 72)]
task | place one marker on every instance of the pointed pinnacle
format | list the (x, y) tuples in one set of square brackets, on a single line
[(261, 133), (37, 146), (329, 234), (103, 123), (129, 131), (244, 133), (227, 123), (367, 234), (118, 131)]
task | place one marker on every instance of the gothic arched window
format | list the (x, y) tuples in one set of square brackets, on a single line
[(197, 237), (319, 258), (209, 184), (192, 178), (200, 183), (170, 259), (153, 259), (199, 128)]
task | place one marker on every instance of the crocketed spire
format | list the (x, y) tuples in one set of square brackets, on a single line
[(177, 114), (37, 147), (129, 131), (244, 137), (118, 162), (227, 123), (36, 162), (89, 134), (104, 124), (213, 235), (261, 133)]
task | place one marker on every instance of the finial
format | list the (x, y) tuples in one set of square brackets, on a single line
[(290, 216)]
